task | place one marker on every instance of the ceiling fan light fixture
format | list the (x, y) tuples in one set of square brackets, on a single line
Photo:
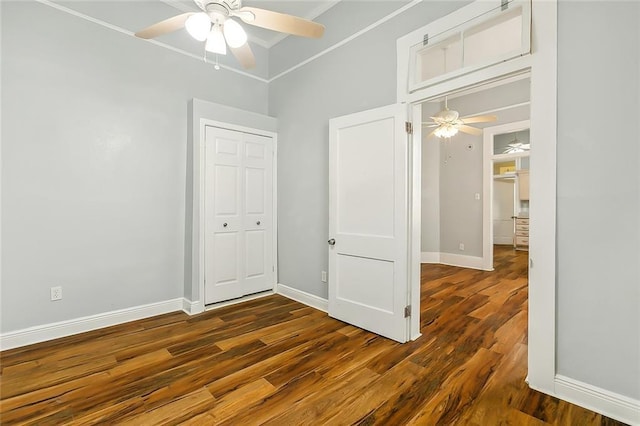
[(215, 42), (198, 26), (446, 131), (234, 33)]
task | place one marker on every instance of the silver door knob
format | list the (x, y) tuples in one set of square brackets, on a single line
[(224, 225), (332, 242), (258, 223)]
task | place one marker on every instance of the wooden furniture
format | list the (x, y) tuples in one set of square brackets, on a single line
[(523, 185), (522, 233)]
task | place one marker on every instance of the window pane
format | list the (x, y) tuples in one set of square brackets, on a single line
[(437, 59), (492, 39)]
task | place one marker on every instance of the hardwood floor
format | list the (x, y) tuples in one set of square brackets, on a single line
[(274, 361)]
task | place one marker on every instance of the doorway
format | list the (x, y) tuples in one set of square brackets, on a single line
[(457, 176)]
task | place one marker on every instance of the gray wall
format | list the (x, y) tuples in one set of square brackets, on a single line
[(598, 243), (431, 160), (93, 164), (357, 76), (460, 170)]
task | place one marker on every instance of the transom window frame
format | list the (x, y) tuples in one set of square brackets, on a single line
[(467, 19)]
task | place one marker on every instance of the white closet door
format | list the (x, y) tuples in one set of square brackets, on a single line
[(238, 214), (258, 232)]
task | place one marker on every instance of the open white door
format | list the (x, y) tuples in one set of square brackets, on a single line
[(368, 211)]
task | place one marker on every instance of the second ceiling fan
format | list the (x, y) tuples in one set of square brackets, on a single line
[(448, 122), (216, 26)]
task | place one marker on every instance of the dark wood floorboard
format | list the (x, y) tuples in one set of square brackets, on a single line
[(274, 361)]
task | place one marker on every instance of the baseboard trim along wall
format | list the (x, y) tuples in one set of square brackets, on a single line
[(608, 403), (303, 297), (192, 308), (472, 262), (42, 333), (429, 257)]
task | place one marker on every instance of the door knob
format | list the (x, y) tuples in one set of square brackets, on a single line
[(332, 242), (224, 225), (258, 223)]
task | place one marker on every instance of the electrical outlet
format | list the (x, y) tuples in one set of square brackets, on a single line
[(461, 246), (477, 195), (323, 276), (56, 293)]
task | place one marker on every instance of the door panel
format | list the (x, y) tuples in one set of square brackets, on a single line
[(368, 211), (365, 184), (255, 190), (255, 256), (226, 247), (257, 217), (360, 275), (503, 211), (238, 218)]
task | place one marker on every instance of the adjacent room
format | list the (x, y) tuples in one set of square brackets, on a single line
[(320, 212)]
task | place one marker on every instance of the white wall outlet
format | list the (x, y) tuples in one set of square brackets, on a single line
[(477, 195), (461, 246), (56, 293), (323, 276)]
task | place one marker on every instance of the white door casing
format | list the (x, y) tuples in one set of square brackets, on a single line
[(238, 248), (368, 213)]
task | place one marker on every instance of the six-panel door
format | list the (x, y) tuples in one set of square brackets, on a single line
[(238, 214)]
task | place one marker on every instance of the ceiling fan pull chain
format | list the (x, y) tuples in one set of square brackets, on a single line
[(216, 65)]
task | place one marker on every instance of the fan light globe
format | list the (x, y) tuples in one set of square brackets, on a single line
[(446, 131), (234, 33), (215, 42), (198, 26)]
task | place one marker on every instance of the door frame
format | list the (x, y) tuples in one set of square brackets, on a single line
[(487, 183), (198, 240), (542, 66)]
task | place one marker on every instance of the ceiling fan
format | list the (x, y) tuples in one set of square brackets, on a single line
[(448, 122), (516, 146), (216, 25)]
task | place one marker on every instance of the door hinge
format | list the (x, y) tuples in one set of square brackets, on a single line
[(425, 39), (407, 311), (408, 126), (504, 5)]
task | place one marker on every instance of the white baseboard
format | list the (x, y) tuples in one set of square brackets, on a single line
[(472, 262), (503, 240), (462, 261), (429, 257), (42, 333), (303, 297), (602, 401), (192, 308)]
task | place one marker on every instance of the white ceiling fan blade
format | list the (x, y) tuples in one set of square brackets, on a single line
[(479, 119), (429, 124), (244, 55), (164, 27), (470, 130), (281, 22), (433, 132)]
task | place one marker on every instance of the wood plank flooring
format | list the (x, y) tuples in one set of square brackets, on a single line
[(274, 361)]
